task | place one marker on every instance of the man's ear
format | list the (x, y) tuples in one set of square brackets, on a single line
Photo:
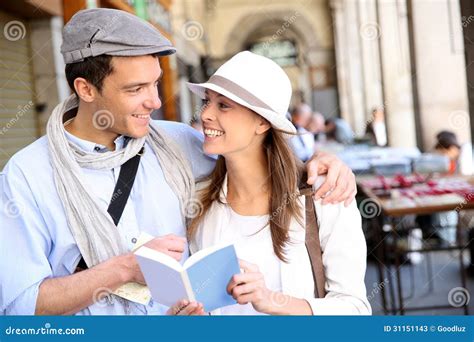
[(86, 91), (263, 125)]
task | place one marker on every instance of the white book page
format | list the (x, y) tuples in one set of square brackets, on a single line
[(160, 257), (164, 276)]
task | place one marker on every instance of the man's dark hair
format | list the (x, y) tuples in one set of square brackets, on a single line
[(92, 69), (446, 139)]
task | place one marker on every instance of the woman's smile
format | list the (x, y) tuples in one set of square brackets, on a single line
[(212, 134)]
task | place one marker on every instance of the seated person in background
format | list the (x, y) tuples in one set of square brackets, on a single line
[(302, 143), (447, 145), (316, 127), (442, 225), (338, 129), (376, 129)]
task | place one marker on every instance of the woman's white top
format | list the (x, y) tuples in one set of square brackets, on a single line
[(342, 242), (380, 133), (252, 240)]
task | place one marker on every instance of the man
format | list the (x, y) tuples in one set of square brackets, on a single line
[(339, 130), (70, 215), (316, 127), (302, 143)]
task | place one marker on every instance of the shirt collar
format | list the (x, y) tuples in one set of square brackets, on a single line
[(89, 146)]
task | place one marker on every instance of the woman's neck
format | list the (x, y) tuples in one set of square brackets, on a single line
[(248, 189)]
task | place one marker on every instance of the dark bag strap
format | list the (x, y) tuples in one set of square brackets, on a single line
[(312, 242), (124, 185), (121, 193)]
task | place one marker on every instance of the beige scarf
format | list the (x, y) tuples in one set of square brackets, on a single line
[(93, 229)]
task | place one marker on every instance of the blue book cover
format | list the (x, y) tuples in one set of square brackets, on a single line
[(210, 276), (203, 277)]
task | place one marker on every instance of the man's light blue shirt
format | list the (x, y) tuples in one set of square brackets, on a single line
[(35, 240)]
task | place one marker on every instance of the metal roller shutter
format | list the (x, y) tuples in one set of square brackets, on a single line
[(18, 121)]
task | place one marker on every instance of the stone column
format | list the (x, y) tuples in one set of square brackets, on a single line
[(440, 69), (396, 72), (369, 32), (354, 59), (337, 7)]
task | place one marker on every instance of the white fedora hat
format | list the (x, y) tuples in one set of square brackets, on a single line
[(255, 82)]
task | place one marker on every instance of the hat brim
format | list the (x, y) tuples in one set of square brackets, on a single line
[(278, 121), (151, 50)]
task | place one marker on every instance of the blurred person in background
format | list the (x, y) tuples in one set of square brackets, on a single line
[(447, 144), (442, 225), (316, 127), (376, 129), (339, 130), (303, 142)]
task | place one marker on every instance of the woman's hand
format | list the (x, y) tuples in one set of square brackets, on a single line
[(186, 308), (249, 287), (340, 184)]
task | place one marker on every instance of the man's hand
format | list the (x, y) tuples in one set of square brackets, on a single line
[(340, 185), (170, 244)]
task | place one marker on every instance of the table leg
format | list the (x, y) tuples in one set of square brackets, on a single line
[(459, 242), (377, 224), (399, 282)]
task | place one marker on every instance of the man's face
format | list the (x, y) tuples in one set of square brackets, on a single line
[(302, 117), (130, 94)]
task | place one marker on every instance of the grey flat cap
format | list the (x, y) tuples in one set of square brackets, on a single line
[(103, 31)]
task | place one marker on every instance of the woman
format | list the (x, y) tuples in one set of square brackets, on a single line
[(251, 199)]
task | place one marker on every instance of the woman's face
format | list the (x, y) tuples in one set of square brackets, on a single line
[(229, 127)]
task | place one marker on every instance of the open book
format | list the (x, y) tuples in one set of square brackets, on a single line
[(203, 277)]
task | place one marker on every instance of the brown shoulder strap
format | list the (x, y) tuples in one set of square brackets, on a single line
[(313, 245)]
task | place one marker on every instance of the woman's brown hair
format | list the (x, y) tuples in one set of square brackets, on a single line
[(284, 171)]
